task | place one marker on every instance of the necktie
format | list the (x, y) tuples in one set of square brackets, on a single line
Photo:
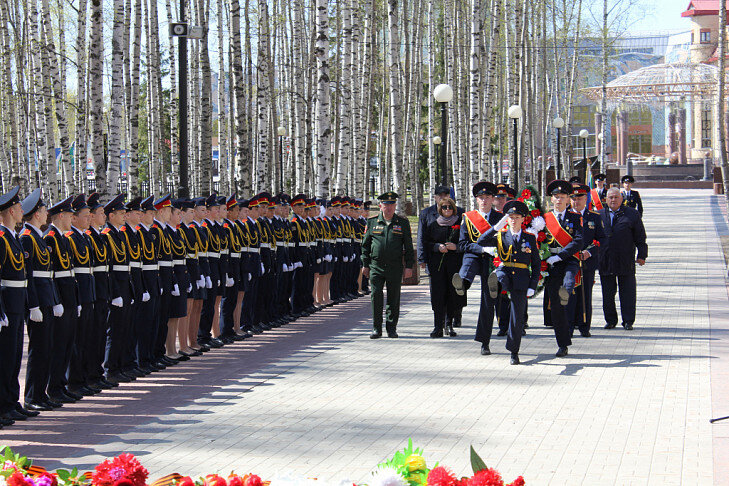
[(560, 218)]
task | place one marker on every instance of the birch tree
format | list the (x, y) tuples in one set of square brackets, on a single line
[(323, 121)]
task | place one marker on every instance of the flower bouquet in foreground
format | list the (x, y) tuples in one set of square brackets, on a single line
[(405, 468)]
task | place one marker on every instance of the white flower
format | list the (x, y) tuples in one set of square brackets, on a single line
[(538, 224), (387, 477)]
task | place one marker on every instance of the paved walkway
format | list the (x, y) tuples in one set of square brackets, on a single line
[(319, 398)]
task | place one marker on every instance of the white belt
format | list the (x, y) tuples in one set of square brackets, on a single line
[(120, 268), (202, 254), (135, 264), (150, 267), (42, 274), (85, 270), (213, 254), (235, 255), (101, 268), (178, 262), (280, 243), (290, 244), (254, 250), (166, 263), (245, 249), (347, 240), (18, 284), (272, 246), (224, 252), (338, 240), (63, 273)]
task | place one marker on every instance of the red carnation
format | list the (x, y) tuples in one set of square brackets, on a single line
[(528, 219), (123, 482), (534, 213), (541, 236), (214, 480), (186, 481), (497, 261), (456, 226), (518, 482), (253, 480), (234, 480), (544, 266), (596, 243), (124, 466), (18, 479), (441, 476), (486, 477)]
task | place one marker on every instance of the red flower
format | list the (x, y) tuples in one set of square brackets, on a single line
[(186, 481), (486, 477), (252, 480), (234, 480), (456, 227), (50, 477), (518, 482), (123, 482), (526, 194), (441, 476), (596, 243), (544, 266), (528, 220), (534, 213), (541, 236), (18, 479), (124, 466), (214, 480), (497, 261)]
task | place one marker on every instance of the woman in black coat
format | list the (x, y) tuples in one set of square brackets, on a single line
[(440, 239)]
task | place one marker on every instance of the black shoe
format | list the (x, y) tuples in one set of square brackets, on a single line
[(457, 283), (564, 296), (130, 376), (216, 343), (456, 323), (14, 415), (610, 326), (501, 333), (73, 395), (52, 403), (204, 348), (485, 351), (437, 334), (493, 285), (136, 372), (26, 412), (238, 337), (392, 334), (561, 352), (38, 406), (523, 332), (93, 388), (118, 378), (100, 385), (451, 332), (585, 333), (162, 364), (628, 327), (6, 421), (110, 383), (184, 358), (514, 359), (257, 330), (376, 334)]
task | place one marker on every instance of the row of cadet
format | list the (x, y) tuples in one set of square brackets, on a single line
[(111, 292)]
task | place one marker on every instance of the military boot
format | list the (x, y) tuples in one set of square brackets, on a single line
[(376, 332)]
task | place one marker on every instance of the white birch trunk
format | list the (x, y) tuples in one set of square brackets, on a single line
[(323, 121), (117, 95), (395, 104)]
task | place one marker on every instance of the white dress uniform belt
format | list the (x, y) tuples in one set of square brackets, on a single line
[(120, 268), (18, 284), (235, 254), (150, 266), (213, 254), (42, 274), (165, 263), (178, 262), (347, 240), (84, 270), (135, 264), (202, 254), (224, 252), (63, 273), (280, 243), (254, 250), (101, 269)]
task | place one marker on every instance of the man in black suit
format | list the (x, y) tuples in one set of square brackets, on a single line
[(626, 234), (631, 198)]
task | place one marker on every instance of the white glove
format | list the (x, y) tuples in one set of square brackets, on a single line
[(58, 310), (489, 249), (131, 302), (298, 265), (78, 311), (4, 322), (145, 296), (189, 288), (351, 258), (346, 259), (175, 291), (229, 281), (250, 277), (263, 270), (328, 258), (553, 259), (530, 292), (318, 260), (161, 291), (36, 315), (117, 302), (502, 223), (208, 283), (201, 283)]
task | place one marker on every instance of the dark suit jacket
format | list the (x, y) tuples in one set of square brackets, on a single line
[(523, 252), (593, 230), (633, 200), (426, 217), (473, 255), (625, 235)]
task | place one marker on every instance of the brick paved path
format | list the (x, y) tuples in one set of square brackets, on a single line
[(319, 398)]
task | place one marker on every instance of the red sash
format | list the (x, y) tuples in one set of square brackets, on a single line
[(559, 233), (478, 221), (596, 203)]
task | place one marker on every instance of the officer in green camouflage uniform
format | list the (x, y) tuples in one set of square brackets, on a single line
[(385, 242)]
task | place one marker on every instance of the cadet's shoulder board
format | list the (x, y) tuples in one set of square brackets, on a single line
[(88, 232), (205, 224), (26, 232), (138, 227), (105, 231), (51, 233), (225, 225), (123, 228), (2, 233), (68, 233)]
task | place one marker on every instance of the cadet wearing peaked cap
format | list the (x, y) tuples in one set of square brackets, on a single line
[(211, 302), (631, 198), (42, 296), (575, 180), (387, 238), (84, 355)]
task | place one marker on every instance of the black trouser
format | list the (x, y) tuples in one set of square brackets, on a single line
[(626, 287), (146, 329), (485, 325), (99, 331), (78, 374), (299, 289), (446, 304), (38, 368), (248, 311), (552, 285), (62, 348), (575, 308), (208, 313), (517, 312), (11, 354), (228, 303), (118, 337)]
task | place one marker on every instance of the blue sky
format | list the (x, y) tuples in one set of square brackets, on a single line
[(660, 15)]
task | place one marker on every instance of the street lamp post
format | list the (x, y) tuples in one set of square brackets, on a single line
[(443, 94), (437, 142), (558, 123), (583, 135), (373, 168), (281, 132), (515, 114)]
